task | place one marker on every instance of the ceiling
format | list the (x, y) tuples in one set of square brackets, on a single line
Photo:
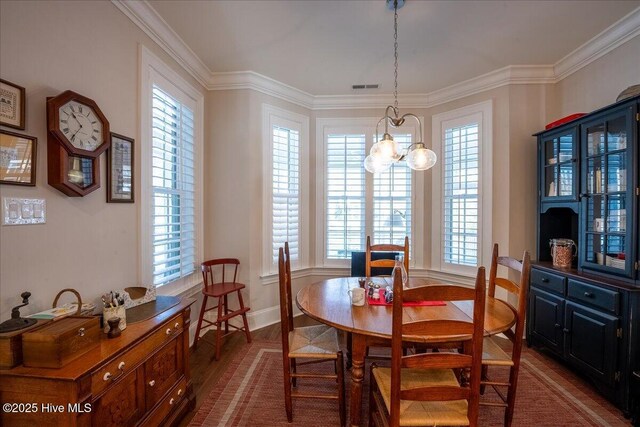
[(324, 47)]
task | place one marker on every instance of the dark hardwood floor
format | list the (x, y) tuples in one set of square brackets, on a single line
[(205, 370)]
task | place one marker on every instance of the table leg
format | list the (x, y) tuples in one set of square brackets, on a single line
[(349, 350), (358, 347)]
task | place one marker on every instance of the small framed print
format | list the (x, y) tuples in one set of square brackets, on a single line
[(12, 101), (120, 170), (17, 159)]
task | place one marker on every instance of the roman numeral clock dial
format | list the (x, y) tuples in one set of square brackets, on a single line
[(78, 133)]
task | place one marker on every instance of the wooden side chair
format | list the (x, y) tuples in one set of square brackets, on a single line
[(423, 389), (385, 263), (221, 290), (315, 344), (371, 263), (493, 355)]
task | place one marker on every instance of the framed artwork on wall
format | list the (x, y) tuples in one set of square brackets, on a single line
[(12, 102), (17, 159), (120, 176)]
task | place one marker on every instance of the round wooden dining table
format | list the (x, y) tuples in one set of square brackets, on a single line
[(329, 302)]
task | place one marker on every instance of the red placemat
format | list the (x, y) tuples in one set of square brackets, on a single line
[(381, 301)]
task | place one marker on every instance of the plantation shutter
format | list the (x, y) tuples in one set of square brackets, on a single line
[(286, 191), (345, 194), (173, 189), (461, 195)]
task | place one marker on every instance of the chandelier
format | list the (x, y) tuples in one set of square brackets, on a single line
[(386, 151)]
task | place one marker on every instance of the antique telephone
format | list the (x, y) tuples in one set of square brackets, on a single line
[(16, 322)]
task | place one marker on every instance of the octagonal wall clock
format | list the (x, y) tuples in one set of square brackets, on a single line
[(78, 133)]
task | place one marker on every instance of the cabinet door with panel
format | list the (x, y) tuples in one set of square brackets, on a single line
[(608, 199), (558, 162), (163, 370), (546, 318), (591, 341), (122, 404)]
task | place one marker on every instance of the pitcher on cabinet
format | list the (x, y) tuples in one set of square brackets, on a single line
[(563, 251)]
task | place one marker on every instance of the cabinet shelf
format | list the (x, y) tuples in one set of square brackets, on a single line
[(606, 233)]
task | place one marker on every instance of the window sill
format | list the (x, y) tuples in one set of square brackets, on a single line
[(332, 272), (271, 278), (185, 287)]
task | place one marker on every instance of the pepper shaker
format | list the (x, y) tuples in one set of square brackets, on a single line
[(114, 327)]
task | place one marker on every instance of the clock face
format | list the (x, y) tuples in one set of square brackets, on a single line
[(80, 125)]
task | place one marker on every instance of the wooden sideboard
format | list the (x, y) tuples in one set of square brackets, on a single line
[(140, 378)]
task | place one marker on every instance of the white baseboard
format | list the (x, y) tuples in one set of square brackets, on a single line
[(265, 317), (192, 333)]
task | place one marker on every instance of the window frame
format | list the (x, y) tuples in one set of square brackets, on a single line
[(154, 71), (275, 116), (360, 125), (482, 113)]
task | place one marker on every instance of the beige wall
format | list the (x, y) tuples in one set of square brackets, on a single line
[(599, 83), (86, 244), (526, 116)]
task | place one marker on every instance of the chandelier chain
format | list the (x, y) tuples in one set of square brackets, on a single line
[(395, 49)]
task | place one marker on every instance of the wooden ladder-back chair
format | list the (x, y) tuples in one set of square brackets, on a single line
[(385, 263), (423, 389), (316, 344), (493, 355), (221, 290)]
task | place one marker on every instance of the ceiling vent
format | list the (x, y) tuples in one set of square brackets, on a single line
[(360, 87)]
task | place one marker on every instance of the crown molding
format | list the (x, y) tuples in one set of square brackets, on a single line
[(261, 83), (144, 16), (618, 33), (513, 74), (148, 20)]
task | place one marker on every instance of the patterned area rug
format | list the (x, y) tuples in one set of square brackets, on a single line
[(250, 393)]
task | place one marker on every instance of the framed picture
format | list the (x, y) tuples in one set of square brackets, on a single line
[(120, 170), (17, 158), (12, 99)]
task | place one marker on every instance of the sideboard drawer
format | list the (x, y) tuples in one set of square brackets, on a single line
[(548, 281), (130, 359), (173, 399), (595, 296)]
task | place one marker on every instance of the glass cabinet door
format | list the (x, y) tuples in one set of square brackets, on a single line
[(559, 164), (607, 200)]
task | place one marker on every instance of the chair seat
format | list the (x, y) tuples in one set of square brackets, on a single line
[(493, 355), (318, 341), (427, 413), (221, 289)]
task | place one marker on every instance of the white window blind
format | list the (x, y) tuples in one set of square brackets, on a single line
[(285, 191), (392, 200), (173, 189), (345, 194), (460, 195)]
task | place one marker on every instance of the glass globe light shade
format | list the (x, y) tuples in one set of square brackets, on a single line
[(376, 164), (421, 158), (387, 147)]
